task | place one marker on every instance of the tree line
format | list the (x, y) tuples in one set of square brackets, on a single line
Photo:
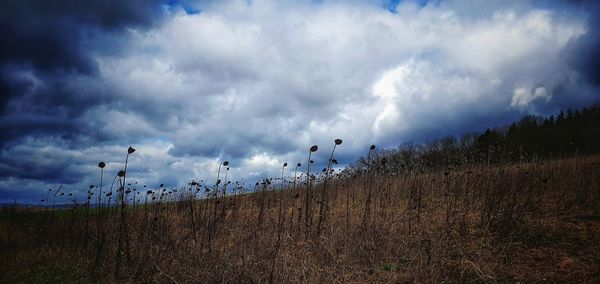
[(532, 138)]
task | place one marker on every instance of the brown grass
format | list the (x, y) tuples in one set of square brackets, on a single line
[(526, 222)]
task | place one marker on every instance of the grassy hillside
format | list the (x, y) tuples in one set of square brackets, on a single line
[(519, 222)]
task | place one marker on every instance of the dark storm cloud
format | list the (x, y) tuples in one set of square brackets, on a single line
[(584, 53), (39, 161), (46, 55), (51, 36), (48, 76)]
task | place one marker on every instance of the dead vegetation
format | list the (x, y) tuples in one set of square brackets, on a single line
[(522, 222)]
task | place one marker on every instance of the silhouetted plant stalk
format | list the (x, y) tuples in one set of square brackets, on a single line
[(123, 234), (110, 194), (101, 165), (101, 235), (54, 197), (212, 224), (324, 206), (224, 205), (281, 193), (193, 185), (157, 206), (47, 199), (298, 165), (368, 190), (204, 212), (295, 196), (236, 203), (134, 191), (280, 222), (261, 203), (308, 198), (87, 215)]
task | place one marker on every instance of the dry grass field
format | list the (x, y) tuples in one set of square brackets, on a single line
[(506, 223)]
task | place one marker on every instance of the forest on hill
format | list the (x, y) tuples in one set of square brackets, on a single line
[(532, 138)]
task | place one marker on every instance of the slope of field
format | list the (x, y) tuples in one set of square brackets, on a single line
[(522, 222)]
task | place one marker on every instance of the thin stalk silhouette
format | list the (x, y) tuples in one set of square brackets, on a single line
[(279, 225), (308, 201), (324, 200), (123, 237), (367, 181), (298, 165)]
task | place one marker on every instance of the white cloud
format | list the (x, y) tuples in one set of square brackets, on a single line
[(523, 97), (242, 80), (252, 69)]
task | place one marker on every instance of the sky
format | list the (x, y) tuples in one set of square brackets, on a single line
[(190, 84)]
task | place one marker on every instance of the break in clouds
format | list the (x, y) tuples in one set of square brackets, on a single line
[(192, 83)]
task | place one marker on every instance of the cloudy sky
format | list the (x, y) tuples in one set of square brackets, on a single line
[(257, 82)]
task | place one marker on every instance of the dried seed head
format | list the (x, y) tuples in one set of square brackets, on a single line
[(121, 173), (162, 184), (226, 163), (284, 165), (338, 141), (101, 165), (91, 186), (372, 147), (314, 148), (130, 150), (298, 164)]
